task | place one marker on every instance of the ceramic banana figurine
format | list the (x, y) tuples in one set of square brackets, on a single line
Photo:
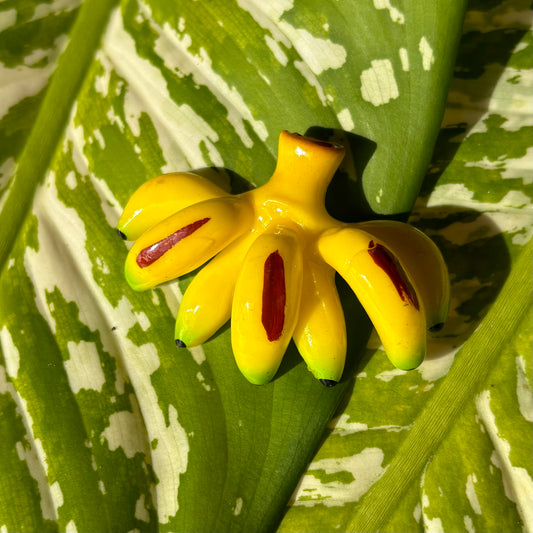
[(274, 252)]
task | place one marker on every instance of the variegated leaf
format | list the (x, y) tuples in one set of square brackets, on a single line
[(107, 427)]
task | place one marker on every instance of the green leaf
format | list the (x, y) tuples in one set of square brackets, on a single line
[(106, 426)]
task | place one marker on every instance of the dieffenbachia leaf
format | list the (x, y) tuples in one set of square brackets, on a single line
[(107, 427)]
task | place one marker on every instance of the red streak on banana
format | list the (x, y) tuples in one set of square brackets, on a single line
[(423, 261), (266, 304), (273, 309), (152, 253), (385, 260)]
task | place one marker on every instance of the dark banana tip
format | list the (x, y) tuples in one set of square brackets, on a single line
[(436, 327), (180, 344), (122, 235), (328, 382)]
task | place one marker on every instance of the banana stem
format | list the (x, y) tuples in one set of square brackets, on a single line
[(304, 170)]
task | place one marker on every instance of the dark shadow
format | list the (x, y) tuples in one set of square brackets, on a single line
[(291, 359), (482, 55), (225, 178), (238, 183), (358, 329), (478, 261)]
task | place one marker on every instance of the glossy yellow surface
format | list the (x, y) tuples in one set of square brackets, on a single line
[(285, 220), (206, 304), (257, 357), (422, 260), (227, 220), (399, 324), (320, 333), (160, 197)]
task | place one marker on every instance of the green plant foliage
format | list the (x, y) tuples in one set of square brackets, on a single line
[(105, 425)]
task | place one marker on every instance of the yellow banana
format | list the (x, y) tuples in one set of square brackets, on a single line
[(184, 241), (160, 197), (278, 250), (265, 304), (423, 261), (384, 289), (206, 304), (320, 333)]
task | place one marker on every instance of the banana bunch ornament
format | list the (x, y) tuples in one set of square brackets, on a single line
[(273, 254)]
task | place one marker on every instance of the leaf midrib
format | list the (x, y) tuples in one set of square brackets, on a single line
[(52, 118)]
